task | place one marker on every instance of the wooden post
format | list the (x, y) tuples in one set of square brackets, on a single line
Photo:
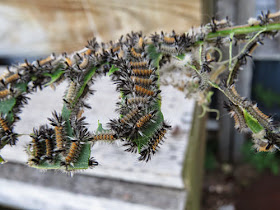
[(194, 161)]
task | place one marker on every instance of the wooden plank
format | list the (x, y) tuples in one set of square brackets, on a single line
[(194, 161), (39, 27)]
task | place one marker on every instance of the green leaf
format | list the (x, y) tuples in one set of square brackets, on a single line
[(80, 164), (112, 70), (181, 57), (21, 86), (54, 76), (149, 131), (209, 96), (6, 106), (66, 116), (87, 78), (252, 123), (154, 55)]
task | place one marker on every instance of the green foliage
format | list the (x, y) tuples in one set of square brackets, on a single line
[(252, 123), (210, 161)]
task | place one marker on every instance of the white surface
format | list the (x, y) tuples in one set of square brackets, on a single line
[(35, 197), (164, 169)]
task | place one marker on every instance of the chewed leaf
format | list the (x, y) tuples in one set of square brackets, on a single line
[(81, 163), (252, 123)]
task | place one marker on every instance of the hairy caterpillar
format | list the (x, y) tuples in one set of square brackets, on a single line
[(156, 139), (219, 24), (4, 125), (58, 124), (104, 136), (37, 148), (143, 81), (269, 17), (138, 100), (85, 62), (143, 91), (135, 54), (71, 92), (233, 96), (237, 115), (73, 153), (142, 72), (47, 60), (139, 64), (4, 93), (11, 78), (141, 43), (130, 115), (146, 118)]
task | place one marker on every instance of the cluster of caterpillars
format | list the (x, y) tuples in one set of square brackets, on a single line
[(240, 108), (53, 146), (133, 63), (139, 108)]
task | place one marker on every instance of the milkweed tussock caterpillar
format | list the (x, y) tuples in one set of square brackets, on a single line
[(58, 124), (134, 54), (47, 60), (73, 153), (71, 92), (263, 142), (233, 96), (4, 124), (142, 72), (130, 115), (269, 17), (5, 93), (141, 43), (143, 91), (139, 65), (143, 81), (6, 133), (237, 114), (4, 75), (146, 118), (153, 144), (106, 136), (84, 63), (37, 148), (11, 78), (216, 25), (138, 100)]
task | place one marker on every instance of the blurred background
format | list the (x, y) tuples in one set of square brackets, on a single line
[(203, 164)]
